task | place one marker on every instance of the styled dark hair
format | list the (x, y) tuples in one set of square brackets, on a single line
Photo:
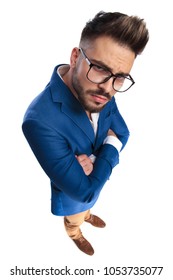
[(127, 30)]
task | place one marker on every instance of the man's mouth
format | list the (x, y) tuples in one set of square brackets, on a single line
[(99, 98)]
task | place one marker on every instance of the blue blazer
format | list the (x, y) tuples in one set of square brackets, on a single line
[(57, 128)]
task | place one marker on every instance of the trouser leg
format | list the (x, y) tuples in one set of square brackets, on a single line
[(72, 224)]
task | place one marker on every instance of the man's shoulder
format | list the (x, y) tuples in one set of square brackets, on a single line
[(42, 106)]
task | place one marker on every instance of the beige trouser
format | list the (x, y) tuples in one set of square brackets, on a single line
[(72, 224)]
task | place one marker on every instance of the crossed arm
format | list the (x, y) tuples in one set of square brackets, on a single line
[(60, 164), (86, 162)]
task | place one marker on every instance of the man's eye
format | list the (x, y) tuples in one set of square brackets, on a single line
[(120, 79), (100, 69)]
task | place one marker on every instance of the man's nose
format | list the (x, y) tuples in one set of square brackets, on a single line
[(107, 86)]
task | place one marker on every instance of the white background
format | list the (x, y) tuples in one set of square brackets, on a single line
[(136, 203)]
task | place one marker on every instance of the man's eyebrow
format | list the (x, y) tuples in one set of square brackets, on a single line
[(106, 67), (101, 63)]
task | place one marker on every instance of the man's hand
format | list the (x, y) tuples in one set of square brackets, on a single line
[(86, 163), (111, 133)]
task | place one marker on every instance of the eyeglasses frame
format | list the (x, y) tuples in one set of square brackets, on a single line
[(109, 77)]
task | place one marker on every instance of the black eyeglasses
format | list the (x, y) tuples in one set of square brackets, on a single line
[(99, 75)]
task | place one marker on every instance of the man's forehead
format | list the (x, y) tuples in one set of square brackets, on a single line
[(116, 57)]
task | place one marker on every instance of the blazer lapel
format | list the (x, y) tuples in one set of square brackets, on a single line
[(103, 125), (77, 114)]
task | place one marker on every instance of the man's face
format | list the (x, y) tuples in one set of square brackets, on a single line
[(104, 52)]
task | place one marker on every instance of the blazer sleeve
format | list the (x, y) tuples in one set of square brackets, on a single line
[(59, 163)]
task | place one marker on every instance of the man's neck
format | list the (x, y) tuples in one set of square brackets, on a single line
[(64, 73)]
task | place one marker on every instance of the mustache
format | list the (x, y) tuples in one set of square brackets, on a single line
[(99, 92)]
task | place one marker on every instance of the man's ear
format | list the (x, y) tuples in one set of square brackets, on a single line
[(74, 56)]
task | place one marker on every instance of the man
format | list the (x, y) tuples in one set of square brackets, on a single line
[(74, 126)]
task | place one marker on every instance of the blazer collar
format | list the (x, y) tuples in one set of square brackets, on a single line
[(70, 105)]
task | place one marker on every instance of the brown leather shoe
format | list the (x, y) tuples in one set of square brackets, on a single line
[(84, 245), (96, 221)]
